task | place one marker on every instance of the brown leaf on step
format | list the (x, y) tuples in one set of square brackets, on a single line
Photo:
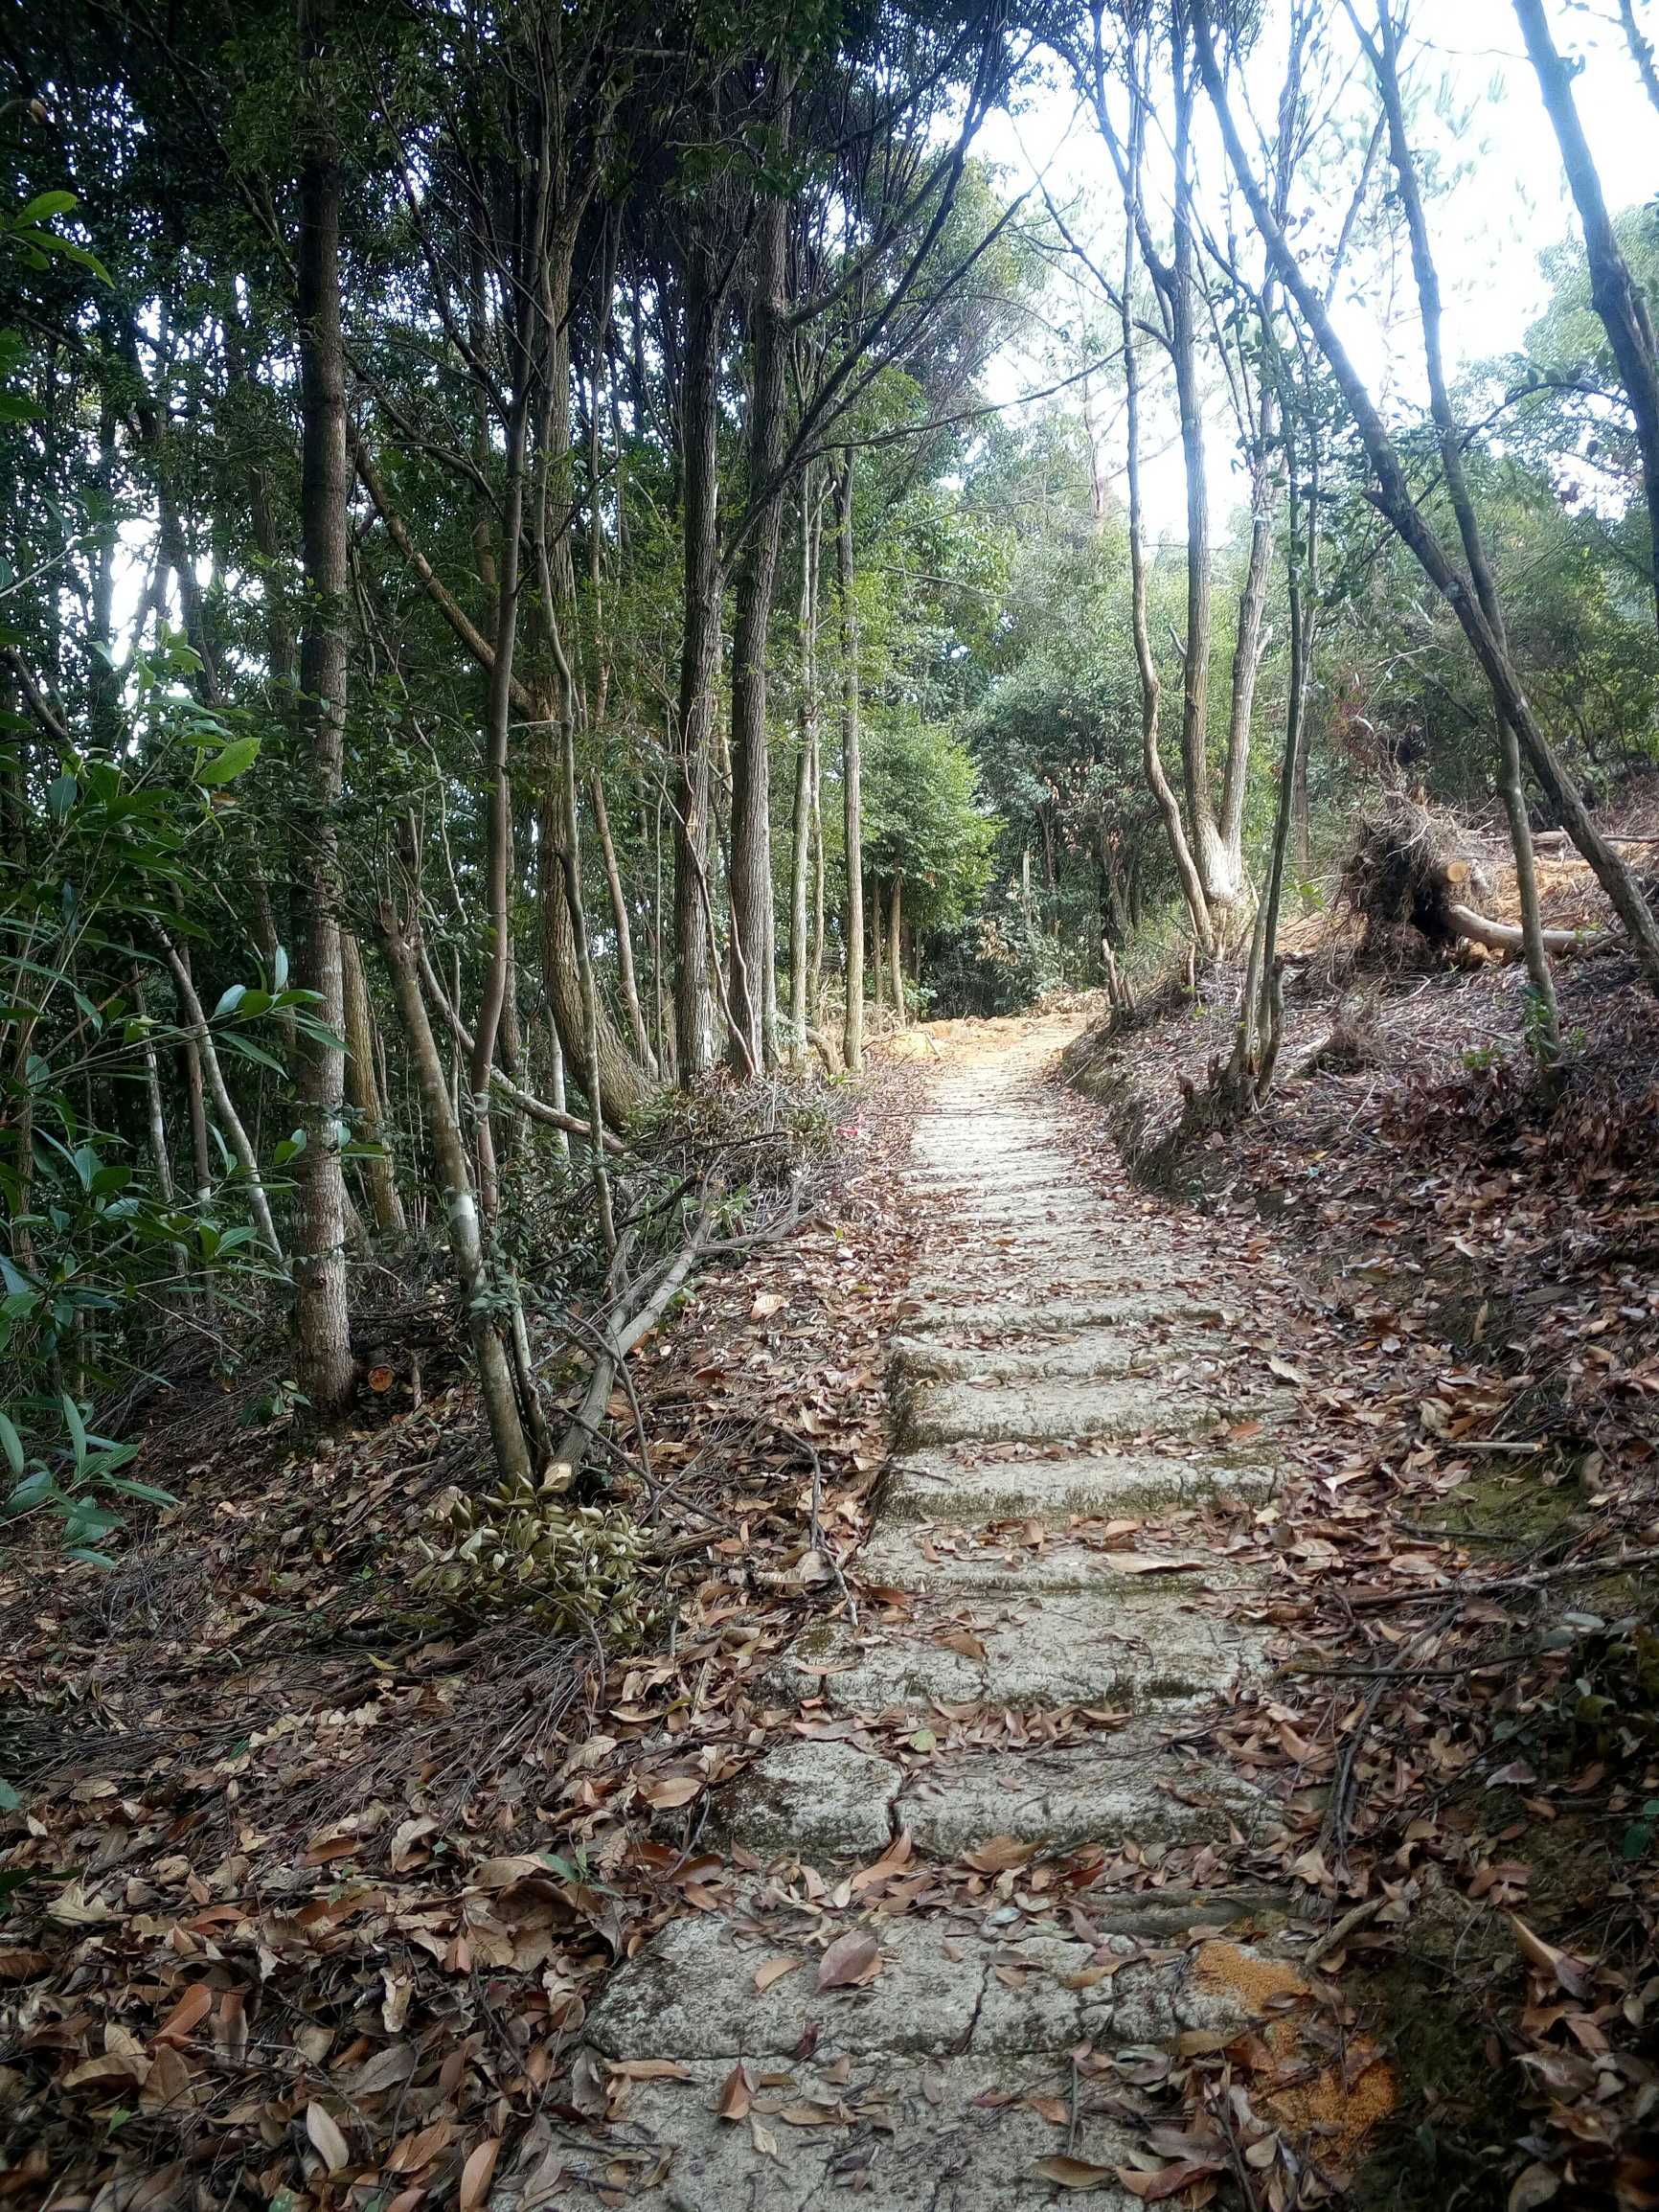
[(678, 1790), (327, 2140), (774, 1971), (477, 2174), (1168, 2180), (965, 1641), (766, 1304), (851, 1959), (649, 2070), (1150, 1564), (997, 1853), (1071, 2173), (737, 2094)]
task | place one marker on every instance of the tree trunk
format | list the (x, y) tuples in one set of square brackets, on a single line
[(325, 1369), (753, 982), (1641, 51), (380, 1170), (699, 663), (878, 940), (805, 770), (1151, 686), (896, 948), (1221, 886), (623, 1084), (1614, 292), (236, 1135), (624, 943), (461, 1210), (850, 769), (572, 867)]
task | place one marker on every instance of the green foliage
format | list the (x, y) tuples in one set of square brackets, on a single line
[(97, 1248)]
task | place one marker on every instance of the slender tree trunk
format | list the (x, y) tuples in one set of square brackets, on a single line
[(699, 662), (800, 847), (752, 976), (161, 1159), (896, 948), (815, 968), (621, 1078), (625, 944), (464, 1229), (380, 1169), (878, 940), (556, 1087), (324, 1367), (1221, 881), (236, 1133), (571, 862), (1614, 292), (1151, 684), (1641, 51), (498, 806), (800, 828), (851, 769)]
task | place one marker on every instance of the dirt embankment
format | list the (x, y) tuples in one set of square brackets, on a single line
[(1469, 1622)]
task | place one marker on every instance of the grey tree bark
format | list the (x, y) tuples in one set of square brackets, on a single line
[(325, 1369), (753, 986), (851, 750), (460, 1207)]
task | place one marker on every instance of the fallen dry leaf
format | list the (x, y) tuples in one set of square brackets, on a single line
[(852, 1958), (477, 2173), (327, 2140), (1070, 2172)]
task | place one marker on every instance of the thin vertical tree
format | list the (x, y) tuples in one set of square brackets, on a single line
[(324, 1368)]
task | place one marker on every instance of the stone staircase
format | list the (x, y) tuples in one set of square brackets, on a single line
[(1058, 1364)]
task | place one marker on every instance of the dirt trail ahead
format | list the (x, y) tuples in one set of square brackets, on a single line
[(895, 2009)]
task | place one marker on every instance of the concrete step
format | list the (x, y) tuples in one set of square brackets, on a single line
[(1059, 1488), (948, 1564), (1123, 1650), (823, 1802), (691, 1993), (1054, 1413), (1135, 1311), (896, 2135), (1084, 1355)]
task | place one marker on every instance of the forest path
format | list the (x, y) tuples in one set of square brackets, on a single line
[(897, 2005)]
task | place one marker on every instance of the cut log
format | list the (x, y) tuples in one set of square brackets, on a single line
[(1506, 935)]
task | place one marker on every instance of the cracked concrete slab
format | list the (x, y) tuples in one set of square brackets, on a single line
[(911, 1559), (945, 1989), (1051, 1412), (812, 1800), (897, 2136), (1129, 1648), (1086, 1355), (1055, 1490), (1134, 1311), (1120, 1788)]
